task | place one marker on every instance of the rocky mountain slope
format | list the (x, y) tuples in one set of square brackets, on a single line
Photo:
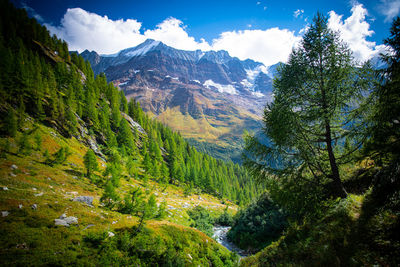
[(210, 97)]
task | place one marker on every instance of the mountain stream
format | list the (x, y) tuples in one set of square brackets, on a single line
[(220, 235)]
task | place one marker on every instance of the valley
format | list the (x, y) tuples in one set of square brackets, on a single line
[(210, 98), (170, 151)]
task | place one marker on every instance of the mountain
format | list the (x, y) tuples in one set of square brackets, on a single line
[(210, 97)]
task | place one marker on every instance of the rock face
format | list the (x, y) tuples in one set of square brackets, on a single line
[(207, 96)]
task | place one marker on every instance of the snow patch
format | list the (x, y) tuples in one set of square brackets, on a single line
[(173, 78), (122, 84), (228, 88), (196, 81), (143, 50)]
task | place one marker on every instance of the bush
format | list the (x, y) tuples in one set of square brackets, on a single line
[(202, 220), (261, 223), (225, 219)]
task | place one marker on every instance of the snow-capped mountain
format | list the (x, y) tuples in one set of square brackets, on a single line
[(216, 96), (211, 69)]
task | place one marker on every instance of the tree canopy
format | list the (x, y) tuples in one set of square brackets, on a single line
[(312, 125)]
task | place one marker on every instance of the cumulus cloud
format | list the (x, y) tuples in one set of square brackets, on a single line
[(84, 30), (354, 31), (172, 32), (389, 8), (268, 46)]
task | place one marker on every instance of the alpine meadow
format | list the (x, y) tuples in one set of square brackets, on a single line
[(124, 142)]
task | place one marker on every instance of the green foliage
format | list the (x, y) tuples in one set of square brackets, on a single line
[(133, 203), (90, 162), (313, 128), (202, 220), (59, 157), (261, 223), (169, 246), (38, 140), (110, 197), (225, 219), (24, 144), (10, 123), (384, 145)]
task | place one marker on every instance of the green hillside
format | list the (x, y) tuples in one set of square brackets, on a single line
[(88, 178)]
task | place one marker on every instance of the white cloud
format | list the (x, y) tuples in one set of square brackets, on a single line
[(298, 12), (354, 31), (172, 32), (268, 46), (84, 30), (389, 8)]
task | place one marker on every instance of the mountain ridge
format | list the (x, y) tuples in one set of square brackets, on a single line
[(211, 90)]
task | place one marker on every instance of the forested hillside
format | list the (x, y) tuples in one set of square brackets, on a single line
[(87, 177), (40, 78)]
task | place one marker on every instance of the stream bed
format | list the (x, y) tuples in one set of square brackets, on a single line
[(220, 235)]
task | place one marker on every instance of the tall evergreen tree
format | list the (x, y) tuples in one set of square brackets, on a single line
[(318, 98)]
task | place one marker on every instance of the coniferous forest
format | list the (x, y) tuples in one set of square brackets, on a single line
[(88, 178)]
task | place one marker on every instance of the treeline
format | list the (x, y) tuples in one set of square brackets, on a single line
[(40, 78)]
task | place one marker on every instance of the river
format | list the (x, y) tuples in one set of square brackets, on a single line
[(220, 235)]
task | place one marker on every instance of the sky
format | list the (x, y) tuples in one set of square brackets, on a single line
[(262, 30)]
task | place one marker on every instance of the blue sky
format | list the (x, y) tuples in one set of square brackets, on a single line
[(263, 30)]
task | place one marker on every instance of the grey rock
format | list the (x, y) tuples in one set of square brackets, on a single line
[(4, 213), (20, 206), (63, 220), (5, 188), (60, 222), (84, 199), (14, 167), (38, 194), (34, 206), (13, 174)]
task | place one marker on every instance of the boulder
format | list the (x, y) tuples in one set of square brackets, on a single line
[(84, 199), (63, 220), (4, 213)]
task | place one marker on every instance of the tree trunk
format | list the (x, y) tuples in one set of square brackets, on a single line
[(340, 191)]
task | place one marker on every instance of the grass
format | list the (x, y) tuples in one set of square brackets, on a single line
[(29, 236)]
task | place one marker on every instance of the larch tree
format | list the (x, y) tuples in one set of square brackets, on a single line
[(90, 162), (313, 122)]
